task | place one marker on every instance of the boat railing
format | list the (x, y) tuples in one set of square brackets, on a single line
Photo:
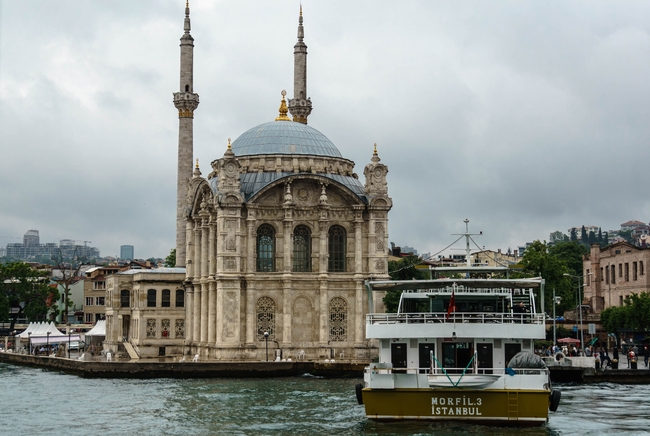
[(456, 317), (461, 289), (455, 371)]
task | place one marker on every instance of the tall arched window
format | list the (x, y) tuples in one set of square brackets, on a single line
[(166, 298), (125, 298), (180, 298), (302, 249), (265, 309), (338, 320), (336, 249), (265, 248), (151, 298)]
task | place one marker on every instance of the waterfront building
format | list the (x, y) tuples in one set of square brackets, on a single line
[(95, 291), (494, 258), (613, 273), (126, 252), (146, 309), (275, 243), (76, 297)]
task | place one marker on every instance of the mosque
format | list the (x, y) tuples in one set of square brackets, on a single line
[(273, 245)]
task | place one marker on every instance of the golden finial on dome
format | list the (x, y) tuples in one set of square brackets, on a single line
[(301, 9), (229, 147), (187, 3), (375, 152), (283, 109), (197, 162)]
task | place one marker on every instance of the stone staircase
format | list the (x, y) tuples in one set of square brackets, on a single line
[(129, 349)]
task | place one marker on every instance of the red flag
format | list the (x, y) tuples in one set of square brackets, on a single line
[(452, 304)]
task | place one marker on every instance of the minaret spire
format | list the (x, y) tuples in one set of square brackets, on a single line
[(300, 104), (186, 101)]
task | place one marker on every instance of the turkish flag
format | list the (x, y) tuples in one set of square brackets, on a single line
[(452, 304)]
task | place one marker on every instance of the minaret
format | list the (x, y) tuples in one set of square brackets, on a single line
[(300, 104), (186, 101)]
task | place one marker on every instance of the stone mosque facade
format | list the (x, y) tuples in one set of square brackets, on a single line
[(275, 243)]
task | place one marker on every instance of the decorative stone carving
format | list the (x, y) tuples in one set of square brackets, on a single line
[(179, 329), (230, 263), (151, 328)]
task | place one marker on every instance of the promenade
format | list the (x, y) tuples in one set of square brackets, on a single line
[(153, 368)]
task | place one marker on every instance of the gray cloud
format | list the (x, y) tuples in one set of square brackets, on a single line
[(523, 117)]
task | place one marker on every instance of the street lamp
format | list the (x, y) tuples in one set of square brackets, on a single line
[(29, 339), (266, 338), (47, 345), (580, 280), (68, 326), (556, 301)]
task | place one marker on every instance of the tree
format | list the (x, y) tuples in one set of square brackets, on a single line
[(170, 261), (571, 253), (592, 237), (584, 238), (68, 270), (634, 314), (574, 236), (26, 289), (627, 235), (403, 269), (557, 236), (538, 260)]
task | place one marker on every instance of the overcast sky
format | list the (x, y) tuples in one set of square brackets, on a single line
[(524, 117)]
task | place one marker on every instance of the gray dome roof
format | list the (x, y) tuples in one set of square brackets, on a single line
[(284, 137)]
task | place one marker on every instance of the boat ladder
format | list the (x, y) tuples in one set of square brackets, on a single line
[(513, 406)]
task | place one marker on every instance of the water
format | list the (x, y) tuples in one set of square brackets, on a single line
[(40, 402)]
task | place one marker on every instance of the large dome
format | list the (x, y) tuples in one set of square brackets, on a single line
[(284, 137)]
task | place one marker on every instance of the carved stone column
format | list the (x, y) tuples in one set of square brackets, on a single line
[(212, 312), (196, 334), (189, 314)]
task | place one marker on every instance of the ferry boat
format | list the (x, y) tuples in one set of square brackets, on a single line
[(460, 347)]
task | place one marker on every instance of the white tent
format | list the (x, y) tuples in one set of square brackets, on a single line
[(39, 334), (40, 329), (99, 329)]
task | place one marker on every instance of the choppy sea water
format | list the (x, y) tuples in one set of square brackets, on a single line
[(38, 402)]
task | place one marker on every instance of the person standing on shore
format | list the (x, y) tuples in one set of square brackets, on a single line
[(646, 354)]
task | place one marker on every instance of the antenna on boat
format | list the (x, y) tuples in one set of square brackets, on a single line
[(467, 236)]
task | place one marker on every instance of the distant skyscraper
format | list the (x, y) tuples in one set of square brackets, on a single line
[(126, 252), (31, 238)]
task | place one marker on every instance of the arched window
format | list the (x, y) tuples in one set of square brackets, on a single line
[(151, 298), (265, 309), (180, 298), (336, 249), (125, 298), (166, 298), (302, 249), (265, 248), (338, 320)]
